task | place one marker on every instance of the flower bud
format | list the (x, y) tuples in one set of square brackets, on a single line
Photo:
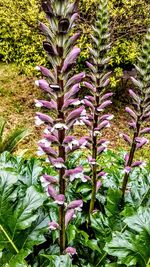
[(71, 251), (63, 25), (53, 225), (131, 113), (75, 204), (69, 215)]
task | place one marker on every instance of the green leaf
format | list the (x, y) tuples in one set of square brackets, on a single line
[(129, 248), (31, 172), (71, 233), (8, 181), (113, 202), (2, 125), (24, 213), (100, 225), (59, 261), (13, 139), (140, 221), (84, 188), (93, 244)]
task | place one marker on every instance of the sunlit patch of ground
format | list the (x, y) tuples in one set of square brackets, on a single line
[(17, 94)]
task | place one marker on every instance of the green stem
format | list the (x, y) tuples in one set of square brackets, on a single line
[(94, 178), (9, 239), (130, 160), (94, 156), (101, 259)]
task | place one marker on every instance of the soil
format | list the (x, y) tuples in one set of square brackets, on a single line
[(17, 94)]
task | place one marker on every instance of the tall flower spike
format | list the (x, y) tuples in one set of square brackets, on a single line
[(140, 113), (60, 86), (99, 98)]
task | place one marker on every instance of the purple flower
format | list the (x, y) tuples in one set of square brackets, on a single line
[(91, 67), (43, 28), (84, 142), (53, 225), (46, 104), (102, 174), (71, 142), (71, 58), (104, 84), (101, 149), (51, 138), (98, 185), (87, 103), (103, 142), (50, 179), (51, 191), (134, 96), (46, 72), (75, 79), (76, 173), (71, 251), (106, 117), (137, 163), (131, 113), (106, 96), (132, 124), (127, 169), (90, 86), (59, 126), (76, 113), (75, 204), (43, 85), (126, 138), (58, 163), (141, 141), (69, 215), (74, 38), (90, 98), (75, 88), (71, 102), (73, 18), (59, 199), (102, 125), (48, 150), (104, 105), (91, 161), (126, 158), (145, 130), (41, 118)]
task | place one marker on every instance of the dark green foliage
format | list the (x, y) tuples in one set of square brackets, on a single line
[(12, 139), (118, 238), (19, 19)]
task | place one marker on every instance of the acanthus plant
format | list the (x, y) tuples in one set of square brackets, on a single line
[(98, 99), (140, 113), (61, 88)]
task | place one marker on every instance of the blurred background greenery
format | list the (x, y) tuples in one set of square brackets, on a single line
[(20, 41)]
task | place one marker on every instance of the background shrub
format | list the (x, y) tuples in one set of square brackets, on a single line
[(20, 41)]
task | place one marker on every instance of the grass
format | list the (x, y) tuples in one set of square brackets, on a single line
[(17, 94)]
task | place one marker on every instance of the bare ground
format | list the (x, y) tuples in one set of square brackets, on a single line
[(17, 94)]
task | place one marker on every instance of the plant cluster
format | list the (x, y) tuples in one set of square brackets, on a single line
[(59, 143), (80, 207)]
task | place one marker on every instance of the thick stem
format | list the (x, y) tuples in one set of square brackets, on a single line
[(130, 160), (61, 154), (94, 156)]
